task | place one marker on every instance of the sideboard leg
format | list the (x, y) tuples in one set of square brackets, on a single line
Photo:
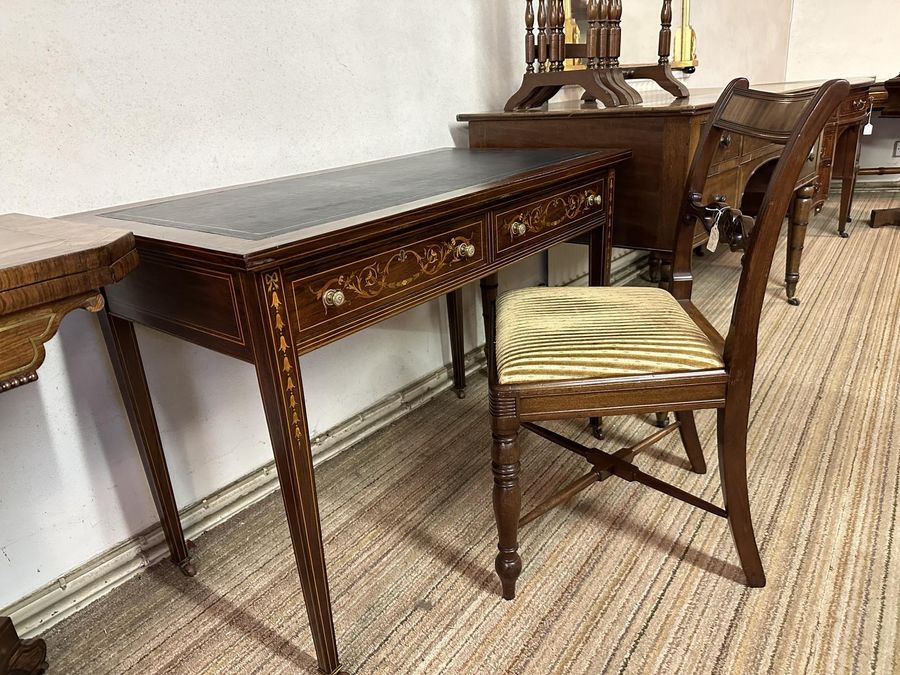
[(796, 235), (457, 348), (850, 141), (17, 656), (122, 345)]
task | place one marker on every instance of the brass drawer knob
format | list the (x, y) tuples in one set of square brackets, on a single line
[(333, 297), (594, 201), (518, 228), (465, 250), (725, 140)]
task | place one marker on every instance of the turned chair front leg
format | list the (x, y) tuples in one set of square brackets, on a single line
[(507, 498)]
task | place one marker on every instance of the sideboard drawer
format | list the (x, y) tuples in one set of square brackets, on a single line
[(853, 107), (519, 227), (373, 286), (723, 184)]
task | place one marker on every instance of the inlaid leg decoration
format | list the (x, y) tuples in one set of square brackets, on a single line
[(507, 495), (125, 355), (278, 373), (457, 350), (17, 656), (796, 236)]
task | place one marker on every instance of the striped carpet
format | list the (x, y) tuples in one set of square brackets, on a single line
[(621, 579)]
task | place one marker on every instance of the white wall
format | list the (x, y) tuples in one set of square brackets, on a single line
[(740, 39), (111, 102), (834, 38)]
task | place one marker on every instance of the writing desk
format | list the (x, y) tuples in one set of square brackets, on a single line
[(269, 271)]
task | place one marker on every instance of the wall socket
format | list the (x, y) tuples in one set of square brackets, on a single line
[(896, 148)]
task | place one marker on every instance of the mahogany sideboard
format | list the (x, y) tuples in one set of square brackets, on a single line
[(268, 271), (48, 268), (663, 134)]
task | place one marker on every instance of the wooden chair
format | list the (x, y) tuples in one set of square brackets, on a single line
[(559, 353)]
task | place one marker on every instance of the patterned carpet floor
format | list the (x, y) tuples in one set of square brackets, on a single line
[(619, 580)]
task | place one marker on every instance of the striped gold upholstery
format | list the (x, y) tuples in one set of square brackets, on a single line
[(551, 334)]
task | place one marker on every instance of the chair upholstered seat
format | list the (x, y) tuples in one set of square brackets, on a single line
[(553, 334)]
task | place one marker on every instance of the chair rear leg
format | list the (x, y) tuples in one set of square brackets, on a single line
[(507, 497), (690, 440), (732, 442), (597, 428)]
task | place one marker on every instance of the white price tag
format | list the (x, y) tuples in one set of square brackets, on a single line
[(713, 241), (867, 130)]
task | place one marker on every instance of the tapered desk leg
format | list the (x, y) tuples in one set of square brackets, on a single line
[(278, 372), (796, 236), (849, 152), (457, 348), (599, 257), (17, 656), (122, 345)]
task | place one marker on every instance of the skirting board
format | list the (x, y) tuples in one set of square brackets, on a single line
[(83, 585), (51, 604)]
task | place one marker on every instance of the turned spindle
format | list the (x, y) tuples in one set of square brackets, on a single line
[(561, 36), (593, 34), (529, 37), (603, 47), (665, 32), (615, 33), (542, 35), (554, 42)]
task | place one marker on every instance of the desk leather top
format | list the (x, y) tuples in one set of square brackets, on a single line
[(262, 210), (254, 219)]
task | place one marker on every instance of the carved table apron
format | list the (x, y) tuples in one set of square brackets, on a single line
[(268, 271)]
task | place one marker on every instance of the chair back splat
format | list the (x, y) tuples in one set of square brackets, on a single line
[(792, 120)]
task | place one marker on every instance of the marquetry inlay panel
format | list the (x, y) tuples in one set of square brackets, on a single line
[(328, 298), (526, 224)]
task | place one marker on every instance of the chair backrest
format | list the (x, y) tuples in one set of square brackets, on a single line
[(792, 120)]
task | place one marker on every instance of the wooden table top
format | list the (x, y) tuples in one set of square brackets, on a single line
[(655, 103), (253, 221), (42, 259)]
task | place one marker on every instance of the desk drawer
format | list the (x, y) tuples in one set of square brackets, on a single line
[(530, 224), (369, 288)]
